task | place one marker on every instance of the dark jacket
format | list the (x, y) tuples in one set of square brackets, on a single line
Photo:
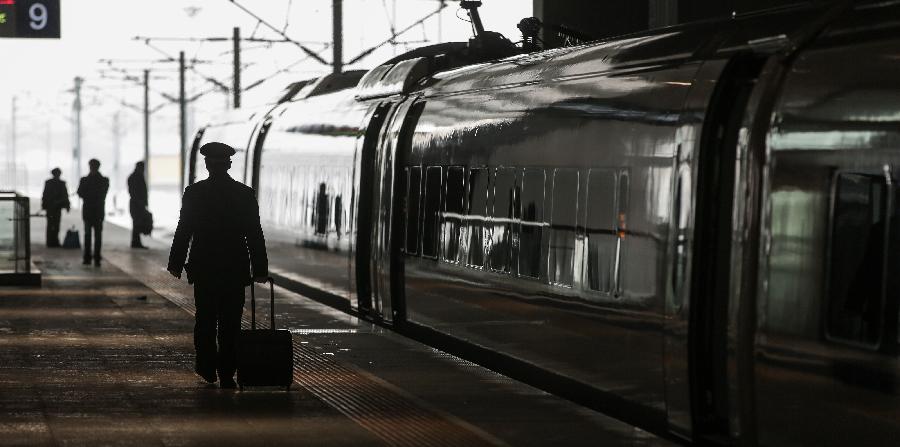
[(220, 221), (137, 189), (92, 189), (56, 195)]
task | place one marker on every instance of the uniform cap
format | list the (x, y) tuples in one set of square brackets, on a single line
[(217, 150)]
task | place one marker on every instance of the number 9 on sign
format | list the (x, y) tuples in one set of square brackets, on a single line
[(37, 18), (38, 15)]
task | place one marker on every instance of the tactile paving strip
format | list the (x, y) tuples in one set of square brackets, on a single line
[(387, 411)]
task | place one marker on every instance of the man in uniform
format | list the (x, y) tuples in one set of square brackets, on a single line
[(54, 199), (137, 205), (220, 220), (92, 189)]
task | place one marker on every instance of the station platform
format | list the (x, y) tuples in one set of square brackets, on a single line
[(104, 356)]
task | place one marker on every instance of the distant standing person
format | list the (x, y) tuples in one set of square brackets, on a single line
[(137, 189), (220, 221), (92, 189), (53, 200)]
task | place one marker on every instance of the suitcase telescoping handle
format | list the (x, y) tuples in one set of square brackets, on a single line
[(271, 282)]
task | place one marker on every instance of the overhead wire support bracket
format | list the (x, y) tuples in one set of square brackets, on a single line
[(302, 47)]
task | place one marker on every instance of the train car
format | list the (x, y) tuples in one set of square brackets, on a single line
[(692, 229), (241, 128)]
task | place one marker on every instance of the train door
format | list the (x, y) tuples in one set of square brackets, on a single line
[(364, 190), (698, 326), (256, 154), (192, 158), (710, 339), (386, 292), (247, 170)]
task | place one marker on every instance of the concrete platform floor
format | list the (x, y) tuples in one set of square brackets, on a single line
[(103, 356)]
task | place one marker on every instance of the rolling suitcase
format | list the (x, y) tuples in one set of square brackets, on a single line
[(265, 357), (72, 240)]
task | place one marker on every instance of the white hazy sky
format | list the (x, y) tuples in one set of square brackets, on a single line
[(39, 73)]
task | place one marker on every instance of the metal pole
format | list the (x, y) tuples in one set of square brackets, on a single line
[(117, 147), (49, 144), (12, 147), (77, 107), (237, 68), (183, 125), (26, 219), (147, 129), (337, 35)]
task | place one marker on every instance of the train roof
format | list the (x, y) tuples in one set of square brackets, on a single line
[(765, 32)]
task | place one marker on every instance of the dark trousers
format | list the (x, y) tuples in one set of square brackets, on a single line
[(53, 217), (218, 318), (97, 228), (137, 212)]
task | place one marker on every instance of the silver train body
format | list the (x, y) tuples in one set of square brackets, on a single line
[(695, 229)]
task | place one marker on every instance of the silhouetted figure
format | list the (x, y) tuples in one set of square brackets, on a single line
[(338, 210), (92, 189), (220, 221), (137, 205), (322, 210), (53, 200)]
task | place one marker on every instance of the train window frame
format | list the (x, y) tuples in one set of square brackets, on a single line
[(475, 223), (322, 207), (540, 224), (614, 175), (623, 191), (459, 216), (552, 278), (508, 220), (436, 224), (412, 215), (886, 205)]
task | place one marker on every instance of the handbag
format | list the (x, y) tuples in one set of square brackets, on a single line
[(72, 239), (146, 223)]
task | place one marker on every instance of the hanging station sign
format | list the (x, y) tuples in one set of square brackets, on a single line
[(29, 18)]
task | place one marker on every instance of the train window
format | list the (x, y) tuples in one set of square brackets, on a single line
[(622, 191), (856, 277), (451, 220), (602, 240), (338, 216), (501, 218), (321, 209), (414, 185), (432, 206), (562, 227), (478, 191), (531, 223)]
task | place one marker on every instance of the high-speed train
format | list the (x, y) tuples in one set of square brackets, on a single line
[(695, 229)]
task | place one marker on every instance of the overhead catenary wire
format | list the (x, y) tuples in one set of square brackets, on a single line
[(205, 77), (302, 47), (228, 39), (277, 72), (139, 81), (149, 61), (394, 35)]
